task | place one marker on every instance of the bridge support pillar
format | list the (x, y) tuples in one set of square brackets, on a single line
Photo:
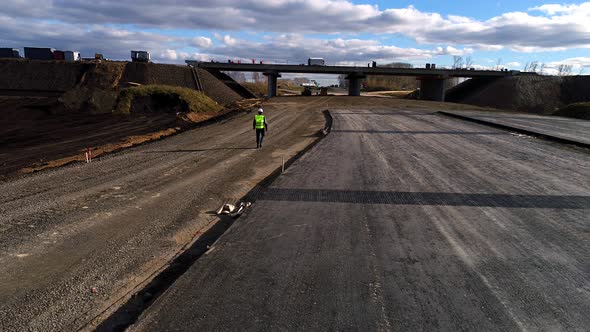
[(272, 83), (432, 88), (354, 84)]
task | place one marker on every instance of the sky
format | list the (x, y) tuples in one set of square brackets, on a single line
[(489, 34)]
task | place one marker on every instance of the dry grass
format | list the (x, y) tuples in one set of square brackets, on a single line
[(190, 100), (259, 89)]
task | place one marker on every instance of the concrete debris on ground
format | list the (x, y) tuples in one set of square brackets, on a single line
[(233, 210)]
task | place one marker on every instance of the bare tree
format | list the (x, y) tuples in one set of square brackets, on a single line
[(457, 62), (468, 62), (564, 70), (531, 66), (581, 70), (499, 64), (256, 77), (542, 70)]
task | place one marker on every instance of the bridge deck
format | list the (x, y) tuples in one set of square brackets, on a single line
[(282, 68)]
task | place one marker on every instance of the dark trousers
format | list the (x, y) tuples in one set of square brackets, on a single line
[(259, 137)]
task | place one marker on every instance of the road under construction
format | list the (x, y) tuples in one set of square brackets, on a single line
[(391, 214)]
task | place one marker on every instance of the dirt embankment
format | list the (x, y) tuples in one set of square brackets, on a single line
[(180, 76), (534, 94), (32, 76), (158, 74), (575, 110), (216, 89), (94, 87), (53, 110)]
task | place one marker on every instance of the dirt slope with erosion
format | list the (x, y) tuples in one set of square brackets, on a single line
[(51, 110), (532, 94)]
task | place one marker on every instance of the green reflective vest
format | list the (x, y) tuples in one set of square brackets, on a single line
[(259, 121)]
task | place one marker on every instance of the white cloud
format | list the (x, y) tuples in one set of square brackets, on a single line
[(449, 50), (294, 48), (228, 40), (535, 49), (169, 55), (546, 27), (560, 9), (113, 43), (202, 42), (576, 63)]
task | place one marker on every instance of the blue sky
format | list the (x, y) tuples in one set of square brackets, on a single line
[(511, 33)]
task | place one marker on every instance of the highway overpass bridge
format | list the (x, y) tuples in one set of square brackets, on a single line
[(431, 80)]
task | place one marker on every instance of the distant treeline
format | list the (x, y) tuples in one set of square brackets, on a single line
[(386, 83)]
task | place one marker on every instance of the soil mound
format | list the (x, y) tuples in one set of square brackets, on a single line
[(165, 99)]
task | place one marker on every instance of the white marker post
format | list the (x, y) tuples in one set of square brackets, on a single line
[(283, 168), (87, 160)]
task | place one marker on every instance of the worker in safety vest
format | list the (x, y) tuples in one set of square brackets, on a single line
[(261, 126)]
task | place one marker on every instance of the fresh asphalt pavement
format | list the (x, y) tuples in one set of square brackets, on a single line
[(566, 128), (402, 220)]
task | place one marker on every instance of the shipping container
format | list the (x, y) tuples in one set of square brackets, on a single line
[(9, 53), (58, 55), (71, 56), (140, 56), (38, 53)]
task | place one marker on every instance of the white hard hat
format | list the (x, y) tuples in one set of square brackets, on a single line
[(260, 110)]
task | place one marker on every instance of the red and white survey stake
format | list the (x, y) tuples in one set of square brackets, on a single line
[(89, 155)]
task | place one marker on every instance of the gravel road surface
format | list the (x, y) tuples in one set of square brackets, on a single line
[(567, 128), (402, 220), (75, 239)]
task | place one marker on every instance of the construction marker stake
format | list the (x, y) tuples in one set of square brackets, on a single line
[(87, 160), (283, 169)]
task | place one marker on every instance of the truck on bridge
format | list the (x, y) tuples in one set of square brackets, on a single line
[(140, 56), (316, 62)]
